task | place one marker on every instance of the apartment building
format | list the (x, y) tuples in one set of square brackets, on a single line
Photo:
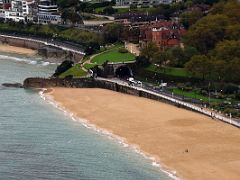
[(18, 10), (37, 11), (48, 12)]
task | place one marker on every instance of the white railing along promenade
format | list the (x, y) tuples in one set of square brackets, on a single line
[(65, 48), (196, 108)]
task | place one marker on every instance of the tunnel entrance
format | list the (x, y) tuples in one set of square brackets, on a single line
[(123, 72)]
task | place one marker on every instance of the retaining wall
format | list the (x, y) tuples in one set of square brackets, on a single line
[(39, 44), (96, 83)]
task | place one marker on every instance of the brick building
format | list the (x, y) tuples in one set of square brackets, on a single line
[(165, 34)]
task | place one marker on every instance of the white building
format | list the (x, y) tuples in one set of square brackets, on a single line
[(39, 11), (15, 10), (48, 12)]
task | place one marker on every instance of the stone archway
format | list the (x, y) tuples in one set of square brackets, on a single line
[(123, 72)]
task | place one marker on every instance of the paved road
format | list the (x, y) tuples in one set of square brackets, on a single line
[(104, 16), (66, 46)]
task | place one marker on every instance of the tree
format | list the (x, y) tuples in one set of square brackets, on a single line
[(73, 17), (112, 32), (160, 58), (163, 9), (142, 61), (219, 69), (149, 51), (133, 7), (91, 48), (199, 65), (189, 18), (232, 10), (209, 30), (189, 52), (210, 2), (233, 32), (109, 10), (226, 50), (232, 70), (67, 3), (176, 57)]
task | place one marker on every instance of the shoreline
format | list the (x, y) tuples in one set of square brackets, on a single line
[(164, 164), (45, 94), (5, 48)]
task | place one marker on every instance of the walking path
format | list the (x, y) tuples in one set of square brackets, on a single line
[(132, 48)]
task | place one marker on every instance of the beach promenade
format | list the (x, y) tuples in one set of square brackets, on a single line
[(48, 42)]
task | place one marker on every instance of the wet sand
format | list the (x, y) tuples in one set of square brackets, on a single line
[(193, 145), (17, 50)]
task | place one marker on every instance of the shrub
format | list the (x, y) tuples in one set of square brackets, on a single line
[(188, 88), (204, 92), (238, 96), (133, 6), (141, 61), (233, 112), (180, 86), (144, 6)]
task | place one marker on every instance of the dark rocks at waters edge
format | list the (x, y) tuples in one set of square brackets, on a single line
[(14, 85)]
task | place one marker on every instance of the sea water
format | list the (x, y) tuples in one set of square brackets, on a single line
[(38, 141)]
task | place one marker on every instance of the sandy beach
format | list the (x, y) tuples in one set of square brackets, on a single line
[(193, 145), (17, 50)]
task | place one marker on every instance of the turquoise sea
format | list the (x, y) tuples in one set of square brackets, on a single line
[(38, 141)]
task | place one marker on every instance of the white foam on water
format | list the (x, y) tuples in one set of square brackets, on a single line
[(26, 60), (33, 62), (120, 140), (45, 63)]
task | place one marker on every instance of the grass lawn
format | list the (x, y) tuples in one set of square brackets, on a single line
[(194, 95), (89, 66), (75, 71), (99, 10), (122, 10), (181, 72), (113, 55)]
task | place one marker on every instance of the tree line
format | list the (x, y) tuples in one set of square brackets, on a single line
[(211, 47)]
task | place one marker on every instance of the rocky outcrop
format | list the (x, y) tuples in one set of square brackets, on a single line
[(15, 85)]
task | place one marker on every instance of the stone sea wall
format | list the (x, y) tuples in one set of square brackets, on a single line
[(90, 83), (20, 43), (43, 49), (97, 83)]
